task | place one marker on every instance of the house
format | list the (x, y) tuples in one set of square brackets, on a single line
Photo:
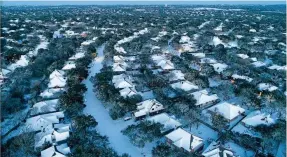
[(258, 64), (168, 122), (184, 140), (69, 65), (243, 56), (77, 56), (258, 117), (123, 83), (184, 85), (118, 59), (266, 86), (252, 120), (44, 121), (203, 99), (56, 151), (57, 73), (148, 107), (198, 55), (219, 67), (120, 67), (57, 133), (44, 107), (52, 92), (57, 82), (277, 67), (127, 92), (165, 65), (208, 60), (227, 110), (175, 75), (241, 77), (215, 149)]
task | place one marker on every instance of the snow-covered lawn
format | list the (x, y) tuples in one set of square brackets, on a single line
[(108, 127), (239, 151)]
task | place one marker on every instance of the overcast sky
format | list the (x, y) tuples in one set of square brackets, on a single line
[(131, 2)]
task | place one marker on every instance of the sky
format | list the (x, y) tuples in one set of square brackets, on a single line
[(134, 2)]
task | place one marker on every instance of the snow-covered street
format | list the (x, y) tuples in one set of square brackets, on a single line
[(107, 126)]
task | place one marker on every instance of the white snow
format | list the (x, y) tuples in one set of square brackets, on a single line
[(252, 30), (77, 56), (202, 97), (49, 93), (236, 76), (198, 55), (266, 86), (219, 28), (203, 24), (181, 139), (127, 92), (51, 152), (168, 122), (175, 75), (256, 118), (219, 67), (243, 56), (238, 150), (69, 65), (148, 107), (44, 107), (215, 149), (184, 85), (227, 110), (277, 67), (258, 64)]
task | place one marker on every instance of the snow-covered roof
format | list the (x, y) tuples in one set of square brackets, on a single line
[(166, 64), (57, 82), (86, 43), (60, 136), (175, 75), (77, 56), (215, 149), (256, 118), (123, 83), (148, 106), (181, 139), (208, 60), (252, 30), (157, 58), (277, 67), (51, 152), (184, 39), (127, 92), (254, 59), (227, 110), (40, 122), (119, 66), (51, 92), (198, 55), (266, 86), (63, 148), (118, 58), (167, 122), (258, 64), (57, 73), (203, 97), (69, 65), (243, 56), (184, 85), (242, 77), (44, 107), (219, 67)]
